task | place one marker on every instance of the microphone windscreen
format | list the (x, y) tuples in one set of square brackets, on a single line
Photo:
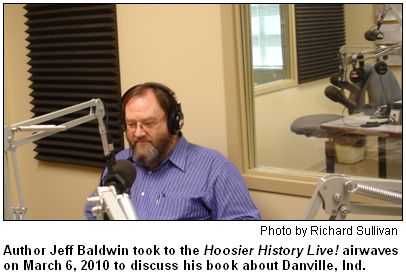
[(123, 176), (337, 95), (333, 93), (126, 170), (374, 34), (334, 79), (368, 37)]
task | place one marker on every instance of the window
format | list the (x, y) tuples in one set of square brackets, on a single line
[(269, 55), (272, 52), (309, 37)]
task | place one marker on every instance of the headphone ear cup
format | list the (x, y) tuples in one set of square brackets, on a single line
[(180, 120), (356, 75), (173, 122), (381, 68), (122, 119)]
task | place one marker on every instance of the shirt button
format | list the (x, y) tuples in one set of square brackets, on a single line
[(149, 172), (142, 193)]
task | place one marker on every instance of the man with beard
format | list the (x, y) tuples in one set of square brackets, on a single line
[(176, 180)]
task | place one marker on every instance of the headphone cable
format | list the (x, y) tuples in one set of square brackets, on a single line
[(342, 118)]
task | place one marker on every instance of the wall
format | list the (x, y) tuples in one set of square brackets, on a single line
[(177, 45)]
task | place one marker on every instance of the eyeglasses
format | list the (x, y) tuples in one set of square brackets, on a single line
[(146, 126)]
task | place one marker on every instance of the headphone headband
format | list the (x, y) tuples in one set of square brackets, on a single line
[(175, 115), (355, 57)]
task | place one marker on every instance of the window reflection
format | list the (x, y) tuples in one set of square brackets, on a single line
[(268, 40), (276, 147)]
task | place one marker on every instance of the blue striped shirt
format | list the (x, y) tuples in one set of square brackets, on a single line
[(193, 183)]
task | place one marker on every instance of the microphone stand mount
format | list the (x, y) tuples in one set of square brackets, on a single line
[(116, 206), (333, 192)]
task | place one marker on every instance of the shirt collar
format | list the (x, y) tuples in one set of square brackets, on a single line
[(179, 154)]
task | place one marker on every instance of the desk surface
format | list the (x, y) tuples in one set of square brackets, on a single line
[(351, 125)]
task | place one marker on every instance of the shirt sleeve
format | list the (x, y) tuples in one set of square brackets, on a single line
[(228, 196)]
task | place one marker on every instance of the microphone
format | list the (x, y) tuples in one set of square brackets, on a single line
[(122, 178), (120, 174), (374, 34), (334, 79), (337, 95)]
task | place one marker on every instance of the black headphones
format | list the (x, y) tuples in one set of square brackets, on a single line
[(175, 115), (381, 67), (357, 74)]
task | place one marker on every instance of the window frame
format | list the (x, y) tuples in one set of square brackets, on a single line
[(247, 37), (250, 91), (288, 182)]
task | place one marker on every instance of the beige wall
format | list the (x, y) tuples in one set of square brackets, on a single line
[(188, 47), (177, 45)]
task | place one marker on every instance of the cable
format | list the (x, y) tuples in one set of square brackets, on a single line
[(366, 125), (342, 118)]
